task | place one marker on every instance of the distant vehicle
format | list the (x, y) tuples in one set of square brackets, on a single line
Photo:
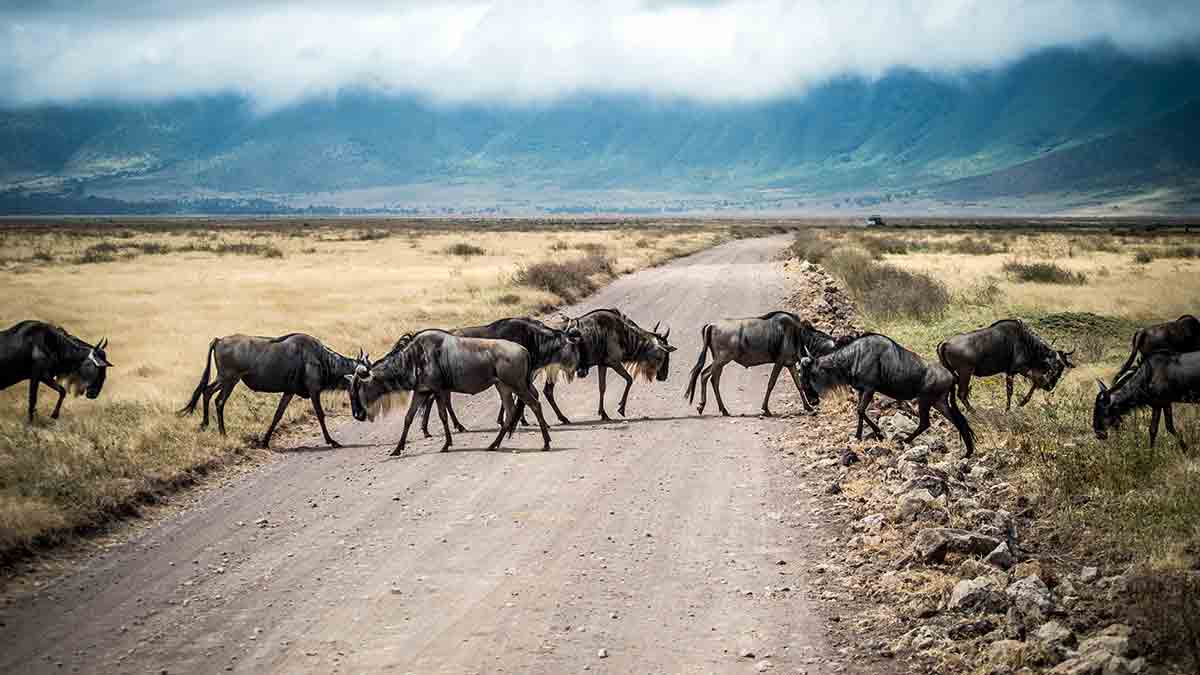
[(875, 221)]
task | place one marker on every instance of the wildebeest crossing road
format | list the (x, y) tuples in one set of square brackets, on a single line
[(646, 540)]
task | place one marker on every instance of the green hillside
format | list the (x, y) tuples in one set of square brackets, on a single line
[(985, 133)]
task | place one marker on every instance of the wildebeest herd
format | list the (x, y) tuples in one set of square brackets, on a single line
[(425, 368)]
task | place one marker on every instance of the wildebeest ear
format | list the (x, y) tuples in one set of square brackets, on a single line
[(671, 348), (102, 343)]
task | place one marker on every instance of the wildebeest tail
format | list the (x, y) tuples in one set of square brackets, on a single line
[(941, 352), (204, 381), (1133, 352), (706, 344), (960, 421)]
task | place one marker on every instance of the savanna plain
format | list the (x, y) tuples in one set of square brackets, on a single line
[(162, 290)]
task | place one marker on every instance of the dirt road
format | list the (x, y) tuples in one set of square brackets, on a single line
[(657, 541)]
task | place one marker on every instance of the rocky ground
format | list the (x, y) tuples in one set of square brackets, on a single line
[(932, 571)]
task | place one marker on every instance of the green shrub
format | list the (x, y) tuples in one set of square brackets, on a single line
[(1043, 272), (464, 249), (886, 291), (570, 280)]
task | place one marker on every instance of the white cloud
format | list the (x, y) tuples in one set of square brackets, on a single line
[(518, 50)]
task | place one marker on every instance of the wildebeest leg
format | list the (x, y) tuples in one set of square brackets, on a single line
[(62, 393), (864, 400), (529, 398), (964, 388), (548, 390), (443, 401), (418, 402), (1154, 424), (208, 394), (425, 416), (770, 385), (1032, 388), (619, 369), (718, 368), (283, 404), (222, 397), (510, 415), (1008, 387), (454, 418), (603, 377), (316, 401), (1171, 426), (704, 377), (922, 420), (799, 389), (33, 385)]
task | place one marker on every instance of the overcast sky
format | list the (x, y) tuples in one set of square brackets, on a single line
[(517, 51)]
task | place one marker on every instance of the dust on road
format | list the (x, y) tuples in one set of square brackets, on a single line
[(664, 542)]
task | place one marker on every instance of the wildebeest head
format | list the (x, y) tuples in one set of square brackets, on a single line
[(656, 362), (370, 397), (809, 377), (1102, 416), (89, 378)]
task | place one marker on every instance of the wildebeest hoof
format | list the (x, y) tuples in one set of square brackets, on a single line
[(53, 416), (397, 452), (332, 443), (726, 413), (545, 447), (605, 417), (446, 447), (563, 420), (460, 429), (766, 413)]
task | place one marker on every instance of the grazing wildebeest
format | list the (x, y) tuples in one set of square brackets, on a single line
[(875, 363), (551, 352), (1009, 347), (1180, 336), (293, 365), (46, 354), (779, 337), (436, 363), (612, 340), (1162, 378)]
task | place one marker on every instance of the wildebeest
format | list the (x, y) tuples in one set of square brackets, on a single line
[(436, 363), (293, 365), (1162, 378), (1007, 346), (47, 354), (874, 363), (551, 351), (778, 337), (612, 340), (1180, 336)]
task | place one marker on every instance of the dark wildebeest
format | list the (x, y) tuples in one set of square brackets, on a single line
[(781, 338), (1009, 347), (46, 354), (612, 340), (1179, 336), (1162, 378), (436, 363), (875, 363), (293, 365), (551, 352)]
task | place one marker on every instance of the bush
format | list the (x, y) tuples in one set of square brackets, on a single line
[(371, 235), (242, 248), (509, 299), (881, 246), (1143, 257), (1043, 272), (464, 249), (810, 245), (570, 280), (973, 246), (887, 291), (99, 253)]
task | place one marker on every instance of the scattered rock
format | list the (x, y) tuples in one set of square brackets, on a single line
[(602, 654), (971, 628), (933, 543), (833, 489), (848, 457), (911, 504), (1089, 574), (1001, 557), (871, 523), (1007, 653), (1031, 603), (978, 595), (918, 454), (763, 666), (1054, 633)]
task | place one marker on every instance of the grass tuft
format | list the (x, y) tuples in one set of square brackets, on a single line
[(570, 280), (1043, 273), (464, 249)]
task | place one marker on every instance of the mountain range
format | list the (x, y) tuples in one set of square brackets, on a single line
[(1064, 128)]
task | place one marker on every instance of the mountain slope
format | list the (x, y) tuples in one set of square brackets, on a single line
[(905, 130)]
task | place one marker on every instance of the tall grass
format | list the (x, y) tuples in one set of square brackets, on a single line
[(886, 291), (570, 280), (1043, 272)]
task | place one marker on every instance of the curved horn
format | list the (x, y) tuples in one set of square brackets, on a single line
[(667, 334), (1102, 387), (806, 352), (655, 329), (102, 344)]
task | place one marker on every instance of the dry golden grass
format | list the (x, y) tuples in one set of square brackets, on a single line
[(160, 304)]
